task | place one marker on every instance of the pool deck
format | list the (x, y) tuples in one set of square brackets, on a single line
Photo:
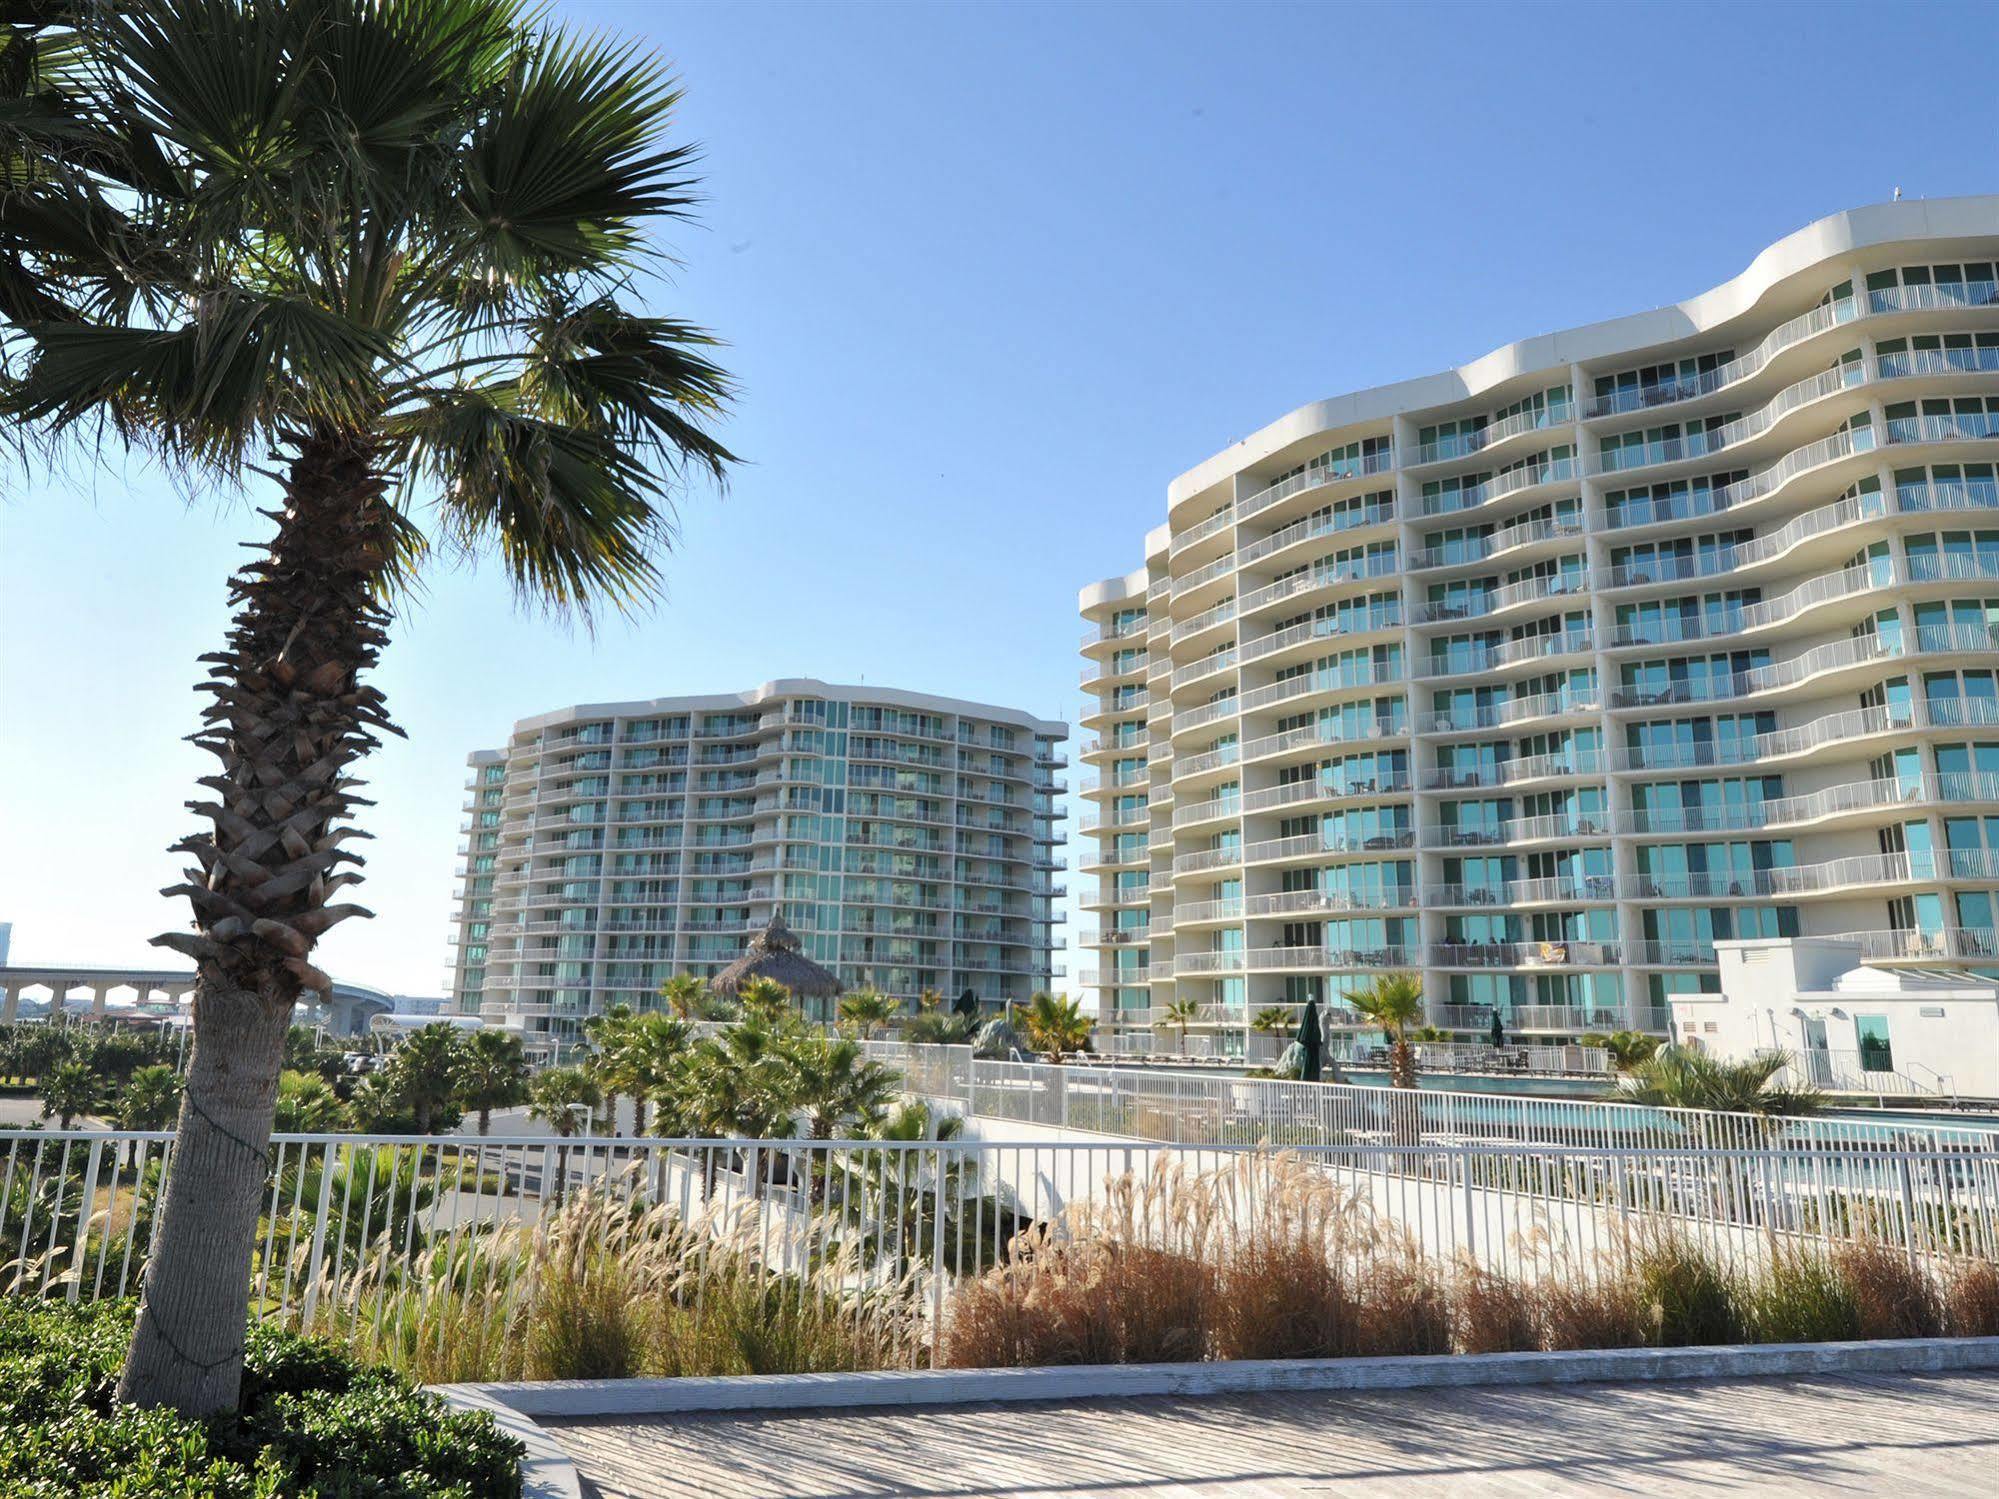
[(1908, 1435)]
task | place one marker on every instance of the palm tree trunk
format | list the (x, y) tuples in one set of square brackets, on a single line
[(1402, 1068), (288, 716), (187, 1349), (485, 1120)]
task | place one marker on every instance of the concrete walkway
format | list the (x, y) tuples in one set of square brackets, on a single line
[(1905, 1435)]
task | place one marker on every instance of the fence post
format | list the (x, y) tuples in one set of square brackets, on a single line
[(316, 1257), (1471, 1233), (83, 1216), (1908, 1206)]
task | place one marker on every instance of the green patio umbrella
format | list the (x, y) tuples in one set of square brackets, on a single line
[(1312, 1040)]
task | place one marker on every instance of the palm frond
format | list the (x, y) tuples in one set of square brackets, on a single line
[(572, 514), (567, 164)]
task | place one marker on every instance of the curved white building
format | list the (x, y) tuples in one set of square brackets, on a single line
[(1542, 675), (909, 840)]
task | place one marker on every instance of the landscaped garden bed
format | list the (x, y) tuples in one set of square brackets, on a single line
[(312, 1421)]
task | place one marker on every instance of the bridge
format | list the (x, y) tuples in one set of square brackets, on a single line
[(160, 994)]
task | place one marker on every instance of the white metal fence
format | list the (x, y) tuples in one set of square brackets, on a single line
[(350, 1218), (1197, 1108)]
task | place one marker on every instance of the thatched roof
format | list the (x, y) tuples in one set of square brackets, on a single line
[(773, 954)]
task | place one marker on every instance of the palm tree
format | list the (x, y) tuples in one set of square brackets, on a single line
[(868, 1010), (649, 1053), (938, 1028), (376, 1105), (736, 1084), (423, 1072), (928, 1000), (1626, 1048), (149, 1099), (1055, 1025), (388, 244), (765, 1001), (833, 1086), (1394, 1001), (492, 1073), (555, 1097), (307, 1105), (1677, 1077), (605, 1036), (684, 993), (70, 1088), (1180, 1014)]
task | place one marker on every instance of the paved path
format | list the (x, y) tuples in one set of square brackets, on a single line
[(1902, 1435)]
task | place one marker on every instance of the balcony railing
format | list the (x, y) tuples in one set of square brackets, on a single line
[(1464, 444), (1353, 468), (1374, 513), (1668, 392)]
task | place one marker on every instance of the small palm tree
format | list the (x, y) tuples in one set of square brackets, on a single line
[(684, 994), (1282, 1019), (492, 1074), (1055, 1025), (649, 1053), (867, 1010), (765, 1001), (1394, 1001), (390, 246), (150, 1098), (70, 1088), (1180, 1014), (307, 1105), (423, 1073), (834, 1087), (1678, 1077), (605, 1035), (1625, 1048), (555, 1097), (928, 1000), (736, 1084), (376, 1106)]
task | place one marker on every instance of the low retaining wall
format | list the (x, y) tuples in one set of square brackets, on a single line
[(546, 1471), (575, 1399)]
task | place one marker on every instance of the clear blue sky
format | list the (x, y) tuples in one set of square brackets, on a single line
[(991, 276)]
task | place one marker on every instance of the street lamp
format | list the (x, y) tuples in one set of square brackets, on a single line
[(585, 1115)]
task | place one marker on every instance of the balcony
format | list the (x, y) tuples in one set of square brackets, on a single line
[(1310, 580), (1561, 764), (1671, 392), (1592, 889), (1834, 656), (1314, 478), (1313, 526), (1561, 953), (1957, 945), (1520, 830), (1891, 795), (1476, 716), (1512, 481), (1221, 614), (1507, 539), (1357, 622), (1706, 443), (1464, 444)]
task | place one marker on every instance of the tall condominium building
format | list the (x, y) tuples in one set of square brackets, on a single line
[(908, 840), (1541, 675)]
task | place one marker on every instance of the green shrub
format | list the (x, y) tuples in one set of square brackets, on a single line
[(1800, 1298), (312, 1422), (1687, 1293)]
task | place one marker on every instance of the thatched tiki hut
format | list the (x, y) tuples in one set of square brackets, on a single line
[(773, 954)]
